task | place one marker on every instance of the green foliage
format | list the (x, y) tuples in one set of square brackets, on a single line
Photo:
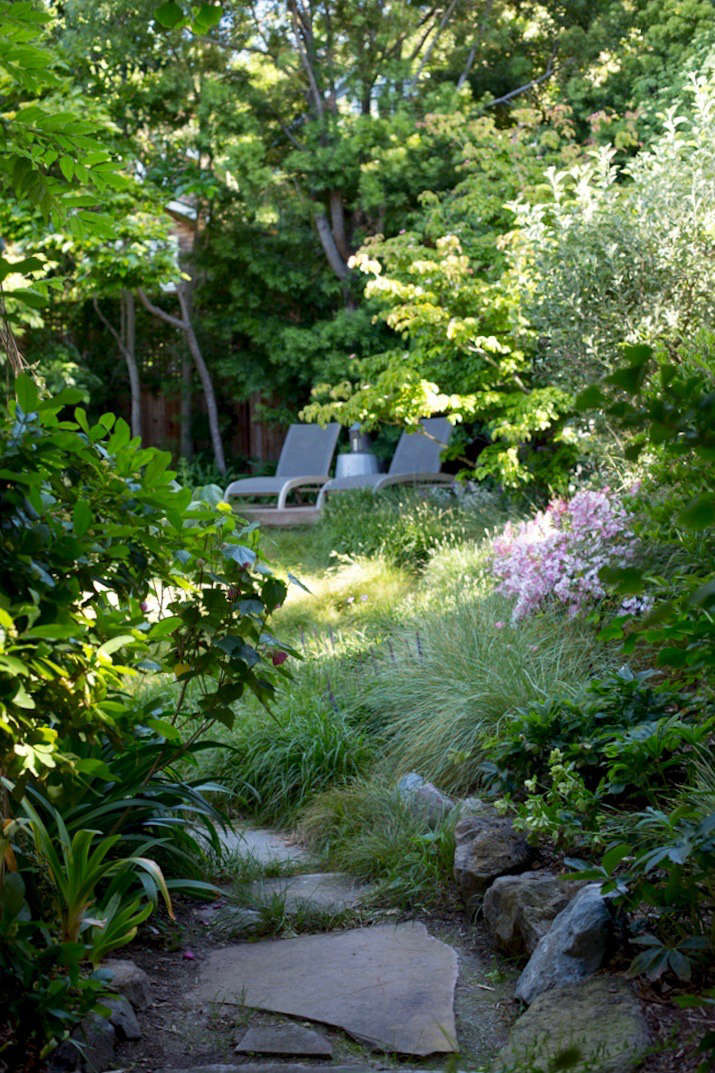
[(621, 253), (53, 157), (603, 732), (91, 518), (44, 989), (666, 883), (466, 355), (102, 552), (277, 764), (368, 828), (665, 402)]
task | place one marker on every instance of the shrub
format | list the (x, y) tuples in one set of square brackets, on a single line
[(104, 556), (559, 553)]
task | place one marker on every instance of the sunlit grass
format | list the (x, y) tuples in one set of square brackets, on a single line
[(350, 594)]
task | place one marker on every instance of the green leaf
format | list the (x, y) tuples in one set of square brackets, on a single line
[(82, 517), (55, 631), (208, 16), (624, 579), (629, 377), (169, 14), (614, 856), (67, 168), (94, 767), (110, 646), (704, 595), (699, 513), (590, 399), (26, 392), (165, 628), (165, 728)]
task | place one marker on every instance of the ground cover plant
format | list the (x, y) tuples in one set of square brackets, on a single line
[(104, 558)]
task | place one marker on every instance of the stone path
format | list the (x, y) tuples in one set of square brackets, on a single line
[(350, 1000), (264, 846), (317, 890)]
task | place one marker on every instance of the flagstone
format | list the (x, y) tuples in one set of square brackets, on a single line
[(390, 985), (320, 890)]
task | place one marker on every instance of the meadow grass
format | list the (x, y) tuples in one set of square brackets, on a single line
[(443, 684), (368, 829)]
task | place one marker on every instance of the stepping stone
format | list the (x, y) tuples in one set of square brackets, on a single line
[(266, 847), (391, 985), (321, 890), (290, 1040)]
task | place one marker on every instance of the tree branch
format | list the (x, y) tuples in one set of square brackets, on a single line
[(430, 48), (475, 44), (302, 40), (155, 311), (527, 85), (332, 253)]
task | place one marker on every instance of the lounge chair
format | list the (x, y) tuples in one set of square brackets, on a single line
[(304, 463), (416, 461)]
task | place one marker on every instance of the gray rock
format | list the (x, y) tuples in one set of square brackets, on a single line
[(391, 985), (329, 891), (289, 1040), (229, 921), (574, 946), (598, 1021), (470, 806), (519, 910), (97, 1038), (123, 1017), (128, 979), (487, 846), (423, 799)]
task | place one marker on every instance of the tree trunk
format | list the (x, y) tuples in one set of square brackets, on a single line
[(335, 260), (183, 324), (130, 343), (125, 339), (204, 376), (337, 223), (186, 446)]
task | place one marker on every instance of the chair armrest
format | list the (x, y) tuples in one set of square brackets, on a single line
[(298, 482), (413, 478)]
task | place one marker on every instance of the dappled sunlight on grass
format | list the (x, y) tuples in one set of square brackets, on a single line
[(351, 594)]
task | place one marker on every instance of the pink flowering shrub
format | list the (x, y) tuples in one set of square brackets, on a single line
[(558, 553)]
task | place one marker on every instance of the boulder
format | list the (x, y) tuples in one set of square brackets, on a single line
[(487, 846), (129, 980), (596, 1026), (123, 1017), (97, 1038), (423, 799), (519, 910), (574, 946)]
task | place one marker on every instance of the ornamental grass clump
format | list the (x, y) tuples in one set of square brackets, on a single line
[(559, 553)]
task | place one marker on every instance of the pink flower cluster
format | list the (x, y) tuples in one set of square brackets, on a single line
[(558, 553)]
